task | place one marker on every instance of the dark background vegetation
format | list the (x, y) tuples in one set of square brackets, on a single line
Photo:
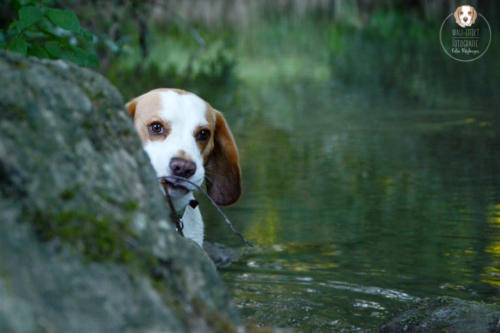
[(385, 45)]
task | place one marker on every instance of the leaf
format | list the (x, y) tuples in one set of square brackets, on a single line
[(72, 54), (70, 57), (54, 49), (85, 34), (85, 57), (64, 18), (28, 16), (13, 26), (18, 45), (91, 59), (38, 51)]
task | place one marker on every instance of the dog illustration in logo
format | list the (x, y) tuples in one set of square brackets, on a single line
[(465, 16)]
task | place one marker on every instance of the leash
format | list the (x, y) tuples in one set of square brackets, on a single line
[(173, 214), (178, 223)]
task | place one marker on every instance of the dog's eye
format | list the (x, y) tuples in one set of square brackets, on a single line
[(156, 129), (469, 13), (461, 13), (203, 135)]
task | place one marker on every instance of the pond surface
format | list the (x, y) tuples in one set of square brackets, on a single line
[(358, 206)]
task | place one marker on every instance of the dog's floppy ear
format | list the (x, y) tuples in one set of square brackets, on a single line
[(222, 167), (131, 107), (474, 15), (457, 18)]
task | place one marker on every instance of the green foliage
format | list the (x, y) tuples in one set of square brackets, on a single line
[(51, 33), (398, 53), (64, 19), (207, 69)]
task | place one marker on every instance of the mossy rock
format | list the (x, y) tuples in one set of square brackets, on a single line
[(85, 241), (447, 314)]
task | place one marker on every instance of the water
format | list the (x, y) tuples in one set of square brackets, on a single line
[(359, 206)]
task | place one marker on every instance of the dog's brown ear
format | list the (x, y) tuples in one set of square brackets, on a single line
[(222, 168), (131, 107), (457, 18), (474, 15)]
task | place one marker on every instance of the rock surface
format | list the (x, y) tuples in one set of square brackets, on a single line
[(447, 314), (221, 255), (85, 244)]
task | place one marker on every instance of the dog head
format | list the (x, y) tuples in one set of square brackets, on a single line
[(465, 16), (185, 137)]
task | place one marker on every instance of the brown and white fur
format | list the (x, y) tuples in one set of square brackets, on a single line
[(465, 16), (185, 137)]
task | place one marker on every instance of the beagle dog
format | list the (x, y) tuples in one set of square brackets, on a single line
[(465, 16), (185, 137)]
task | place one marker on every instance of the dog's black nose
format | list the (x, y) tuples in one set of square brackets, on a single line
[(182, 168)]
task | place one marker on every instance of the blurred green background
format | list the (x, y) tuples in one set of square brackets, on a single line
[(370, 158), (383, 46)]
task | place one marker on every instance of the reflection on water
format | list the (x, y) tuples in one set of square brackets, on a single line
[(294, 286), (491, 273), (359, 207)]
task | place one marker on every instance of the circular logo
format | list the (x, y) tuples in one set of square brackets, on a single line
[(465, 35)]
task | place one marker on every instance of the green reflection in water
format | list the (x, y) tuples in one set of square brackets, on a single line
[(491, 273), (359, 201), (358, 208)]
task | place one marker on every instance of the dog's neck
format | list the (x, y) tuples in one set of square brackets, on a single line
[(180, 203), (191, 217)]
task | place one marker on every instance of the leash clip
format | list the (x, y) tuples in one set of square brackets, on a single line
[(179, 226)]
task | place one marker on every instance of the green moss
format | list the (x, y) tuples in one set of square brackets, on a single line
[(214, 318), (414, 319), (98, 238), (131, 206), (70, 192), (107, 238), (443, 300), (20, 64), (14, 112)]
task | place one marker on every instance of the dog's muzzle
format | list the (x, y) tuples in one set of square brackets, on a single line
[(176, 183)]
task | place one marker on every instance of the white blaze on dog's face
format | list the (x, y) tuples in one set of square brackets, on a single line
[(185, 137), (465, 16)]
